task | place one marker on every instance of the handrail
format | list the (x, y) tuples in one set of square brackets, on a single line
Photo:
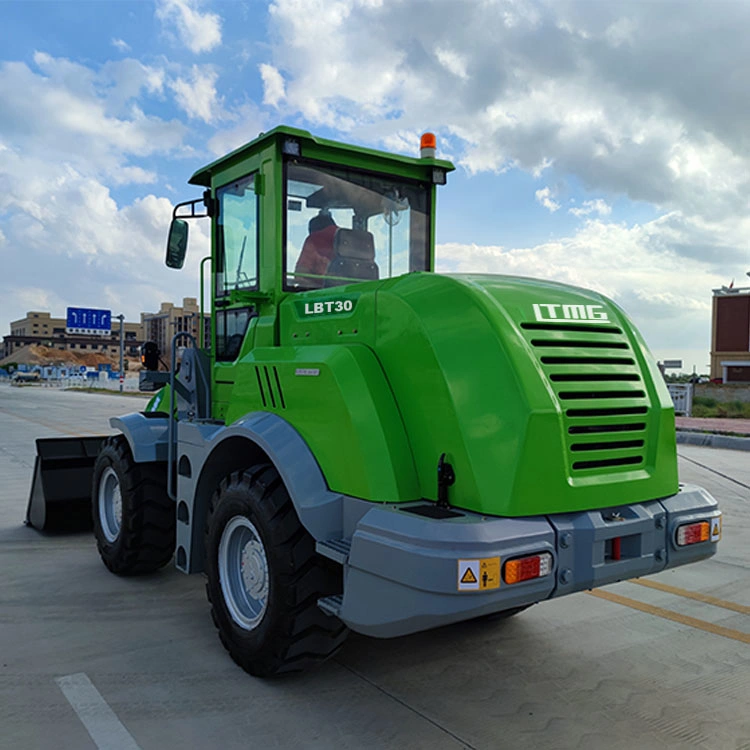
[(201, 343)]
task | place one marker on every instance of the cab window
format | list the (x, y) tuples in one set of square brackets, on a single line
[(344, 226), (237, 236), (231, 327)]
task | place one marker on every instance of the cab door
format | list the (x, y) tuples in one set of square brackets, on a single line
[(236, 264)]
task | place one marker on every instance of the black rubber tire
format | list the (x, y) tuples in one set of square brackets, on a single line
[(293, 633), (146, 537)]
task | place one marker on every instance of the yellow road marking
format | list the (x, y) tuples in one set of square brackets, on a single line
[(667, 614), (741, 608)]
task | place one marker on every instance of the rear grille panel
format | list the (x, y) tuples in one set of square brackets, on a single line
[(600, 389), (591, 429), (574, 327)]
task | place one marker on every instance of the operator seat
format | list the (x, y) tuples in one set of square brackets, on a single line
[(353, 257)]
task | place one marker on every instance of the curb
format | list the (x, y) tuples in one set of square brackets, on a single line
[(713, 440)]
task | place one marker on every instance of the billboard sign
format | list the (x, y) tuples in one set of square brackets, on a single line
[(89, 322)]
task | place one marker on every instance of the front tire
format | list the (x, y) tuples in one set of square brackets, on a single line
[(134, 519), (265, 578)]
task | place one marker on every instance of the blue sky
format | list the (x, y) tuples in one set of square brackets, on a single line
[(599, 144)]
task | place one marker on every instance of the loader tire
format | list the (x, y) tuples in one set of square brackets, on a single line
[(264, 577), (134, 518)]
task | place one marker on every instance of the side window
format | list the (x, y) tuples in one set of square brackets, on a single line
[(237, 236), (231, 326)]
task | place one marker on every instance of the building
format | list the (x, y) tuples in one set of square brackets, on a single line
[(160, 327), (41, 328), (730, 335)]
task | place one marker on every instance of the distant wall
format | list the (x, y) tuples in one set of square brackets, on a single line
[(725, 393)]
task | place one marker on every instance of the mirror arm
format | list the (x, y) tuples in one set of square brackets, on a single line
[(210, 203)]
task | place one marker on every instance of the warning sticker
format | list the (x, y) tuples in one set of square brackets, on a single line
[(716, 529), (479, 575), (469, 576), (489, 573)]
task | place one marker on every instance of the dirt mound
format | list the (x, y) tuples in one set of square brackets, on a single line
[(44, 356)]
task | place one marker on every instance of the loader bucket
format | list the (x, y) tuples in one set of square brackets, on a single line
[(60, 498)]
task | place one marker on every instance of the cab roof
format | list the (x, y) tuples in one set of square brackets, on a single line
[(203, 175)]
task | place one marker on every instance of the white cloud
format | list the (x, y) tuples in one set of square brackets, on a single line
[(198, 31), (89, 119), (196, 94), (452, 62), (121, 45), (76, 240), (69, 133), (597, 206), (545, 197), (545, 86), (273, 85), (250, 123)]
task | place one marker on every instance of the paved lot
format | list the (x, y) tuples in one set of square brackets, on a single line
[(639, 667)]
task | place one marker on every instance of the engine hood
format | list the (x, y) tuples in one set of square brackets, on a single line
[(543, 396)]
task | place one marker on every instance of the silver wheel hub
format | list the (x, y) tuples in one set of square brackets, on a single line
[(243, 572), (110, 504)]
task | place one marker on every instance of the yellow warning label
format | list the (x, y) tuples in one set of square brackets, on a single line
[(479, 575), (468, 576), (489, 573), (716, 529)]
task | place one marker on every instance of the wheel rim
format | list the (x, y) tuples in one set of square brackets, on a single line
[(110, 504), (243, 572)]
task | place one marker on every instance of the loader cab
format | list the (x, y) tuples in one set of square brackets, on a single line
[(293, 213)]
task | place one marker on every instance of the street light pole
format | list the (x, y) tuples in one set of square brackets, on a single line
[(121, 318)]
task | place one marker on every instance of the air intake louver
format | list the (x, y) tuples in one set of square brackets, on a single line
[(601, 392), (269, 386)]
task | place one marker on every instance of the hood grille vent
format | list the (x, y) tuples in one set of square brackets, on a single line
[(600, 388)]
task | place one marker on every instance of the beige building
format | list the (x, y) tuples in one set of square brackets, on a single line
[(730, 335), (41, 328), (161, 326)]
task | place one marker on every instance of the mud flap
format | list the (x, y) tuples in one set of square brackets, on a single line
[(60, 497)]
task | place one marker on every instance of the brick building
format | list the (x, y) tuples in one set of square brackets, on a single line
[(730, 335)]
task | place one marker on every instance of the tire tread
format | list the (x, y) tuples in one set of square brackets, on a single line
[(304, 635)]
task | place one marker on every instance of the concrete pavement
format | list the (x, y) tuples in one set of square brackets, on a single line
[(645, 667)]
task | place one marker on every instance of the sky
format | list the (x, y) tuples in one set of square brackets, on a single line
[(602, 144)]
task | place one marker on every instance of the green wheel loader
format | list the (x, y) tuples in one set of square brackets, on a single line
[(367, 445)]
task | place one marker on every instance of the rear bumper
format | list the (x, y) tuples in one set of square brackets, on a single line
[(402, 571)]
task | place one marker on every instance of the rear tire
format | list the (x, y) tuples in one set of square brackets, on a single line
[(265, 578), (134, 518)]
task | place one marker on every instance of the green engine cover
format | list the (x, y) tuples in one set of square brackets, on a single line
[(543, 396)]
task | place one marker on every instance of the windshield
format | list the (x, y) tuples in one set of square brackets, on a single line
[(344, 226)]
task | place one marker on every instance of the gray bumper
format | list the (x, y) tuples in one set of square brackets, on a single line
[(402, 572)]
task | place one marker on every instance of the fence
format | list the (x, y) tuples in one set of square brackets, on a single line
[(682, 397)]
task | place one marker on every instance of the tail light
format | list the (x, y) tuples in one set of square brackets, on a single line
[(693, 533), (526, 568)]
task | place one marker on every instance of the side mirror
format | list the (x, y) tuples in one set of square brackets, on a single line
[(177, 243)]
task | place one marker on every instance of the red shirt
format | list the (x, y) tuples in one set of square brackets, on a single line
[(317, 252)]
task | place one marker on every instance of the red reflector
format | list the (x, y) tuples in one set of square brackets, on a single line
[(616, 548), (693, 533)]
